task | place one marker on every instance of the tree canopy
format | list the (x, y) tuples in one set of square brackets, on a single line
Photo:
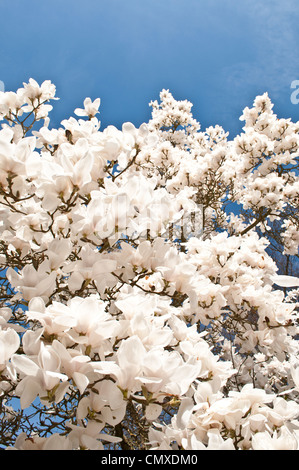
[(142, 305)]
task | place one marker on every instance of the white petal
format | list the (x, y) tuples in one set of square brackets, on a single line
[(153, 411), (285, 281), (104, 266), (81, 381), (61, 391), (9, 343), (106, 368), (36, 304), (28, 389), (131, 352), (25, 365), (80, 112), (57, 442)]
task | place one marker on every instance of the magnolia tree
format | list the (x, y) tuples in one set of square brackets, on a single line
[(140, 308)]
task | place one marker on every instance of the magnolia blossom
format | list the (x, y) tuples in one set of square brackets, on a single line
[(32, 282), (90, 108), (284, 440), (41, 376)]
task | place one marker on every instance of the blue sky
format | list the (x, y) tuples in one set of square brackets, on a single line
[(219, 54)]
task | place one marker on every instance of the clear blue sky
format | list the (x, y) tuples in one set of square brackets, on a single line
[(219, 54)]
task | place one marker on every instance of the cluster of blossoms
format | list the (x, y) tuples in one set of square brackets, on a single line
[(137, 310)]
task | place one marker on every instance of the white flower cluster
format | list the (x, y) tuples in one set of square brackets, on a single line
[(139, 291)]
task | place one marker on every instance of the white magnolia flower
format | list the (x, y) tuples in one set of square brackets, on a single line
[(282, 440), (75, 365), (106, 400), (90, 436), (93, 326), (215, 442), (33, 283), (40, 376), (90, 108)]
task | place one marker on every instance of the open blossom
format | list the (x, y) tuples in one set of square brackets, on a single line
[(159, 371), (93, 327), (41, 375), (81, 321), (32, 97), (90, 436), (244, 414), (33, 283), (106, 400), (75, 365), (90, 108), (282, 440), (33, 90)]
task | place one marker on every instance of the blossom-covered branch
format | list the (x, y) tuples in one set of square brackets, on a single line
[(140, 307)]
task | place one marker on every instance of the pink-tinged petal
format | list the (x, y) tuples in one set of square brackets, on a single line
[(47, 284), (28, 389), (87, 102), (104, 266), (107, 368), (81, 381), (61, 391), (13, 277), (25, 365), (153, 411), (51, 379), (48, 358), (57, 442)]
